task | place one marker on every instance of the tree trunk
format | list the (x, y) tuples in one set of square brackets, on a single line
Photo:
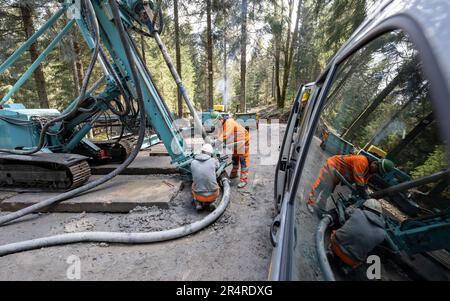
[(242, 95), (424, 123), (77, 74), (273, 83), (290, 53), (28, 26), (143, 49), (209, 47), (277, 58), (78, 62), (373, 104), (178, 54), (225, 75), (76, 80)]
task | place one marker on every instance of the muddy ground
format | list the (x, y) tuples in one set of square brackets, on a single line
[(236, 247)]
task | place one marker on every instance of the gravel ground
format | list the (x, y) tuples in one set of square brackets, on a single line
[(236, 247)]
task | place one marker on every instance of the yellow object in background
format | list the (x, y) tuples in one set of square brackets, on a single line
[(306, 96), (219, 108), (377, 151)]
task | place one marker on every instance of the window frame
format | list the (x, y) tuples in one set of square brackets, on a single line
[(288, 155)]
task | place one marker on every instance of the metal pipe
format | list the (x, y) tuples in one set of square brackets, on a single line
[(411, 184), (328, 274), (174, 73), (36, 63), (32, 39), (122, 238)]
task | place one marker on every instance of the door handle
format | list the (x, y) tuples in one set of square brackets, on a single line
[(274, 230)]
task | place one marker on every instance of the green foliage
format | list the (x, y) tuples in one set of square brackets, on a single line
[(324, 25), (436, 161)]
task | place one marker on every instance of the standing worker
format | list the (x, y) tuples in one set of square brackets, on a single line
[(355, 168), (231, 131), (205, 189)]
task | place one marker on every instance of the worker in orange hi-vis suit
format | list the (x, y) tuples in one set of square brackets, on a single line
[(355, 168), (232, 132)]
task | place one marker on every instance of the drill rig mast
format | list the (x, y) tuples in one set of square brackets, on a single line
[(42, 148)]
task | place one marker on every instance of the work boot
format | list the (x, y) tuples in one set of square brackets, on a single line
[(242, 184)]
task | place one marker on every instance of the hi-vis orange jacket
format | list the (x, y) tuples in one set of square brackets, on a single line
[(353, 167), (232, 131)]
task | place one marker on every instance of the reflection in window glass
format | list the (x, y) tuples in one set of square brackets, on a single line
[(377, 130)]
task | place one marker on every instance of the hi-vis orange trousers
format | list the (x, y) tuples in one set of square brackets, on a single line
[(242, 161)]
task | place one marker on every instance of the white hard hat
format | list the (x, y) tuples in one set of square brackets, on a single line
[(207, 149), (374, 205)]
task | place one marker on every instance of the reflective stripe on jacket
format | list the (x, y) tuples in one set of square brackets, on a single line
[(234, 132)]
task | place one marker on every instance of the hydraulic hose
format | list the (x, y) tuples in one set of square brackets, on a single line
[(64, 196), (320, 248), (122, 238)]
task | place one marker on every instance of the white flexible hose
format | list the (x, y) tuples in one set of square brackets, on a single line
[(122, 238)]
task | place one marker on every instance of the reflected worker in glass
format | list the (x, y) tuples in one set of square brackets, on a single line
[(355, 168)]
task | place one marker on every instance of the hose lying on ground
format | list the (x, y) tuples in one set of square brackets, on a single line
[(320, 248), (141, 135), (123, 238)]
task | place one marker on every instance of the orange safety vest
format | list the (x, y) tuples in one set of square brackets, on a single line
[(353, 167), (232, 129), (206, 199)]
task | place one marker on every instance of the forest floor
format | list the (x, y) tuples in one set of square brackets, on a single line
[(236, 247)]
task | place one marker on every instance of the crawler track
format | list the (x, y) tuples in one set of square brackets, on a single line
[(49, 172)]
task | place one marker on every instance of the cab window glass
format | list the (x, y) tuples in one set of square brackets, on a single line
[(377, 130)]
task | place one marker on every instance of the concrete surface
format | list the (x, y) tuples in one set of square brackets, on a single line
[(158, 150), (120, 195)]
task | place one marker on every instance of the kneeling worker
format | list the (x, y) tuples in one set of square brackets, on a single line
[(360, 235), (205, 189), (357, 169)]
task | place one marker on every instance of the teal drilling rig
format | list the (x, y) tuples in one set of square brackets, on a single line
[(48, 149)]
